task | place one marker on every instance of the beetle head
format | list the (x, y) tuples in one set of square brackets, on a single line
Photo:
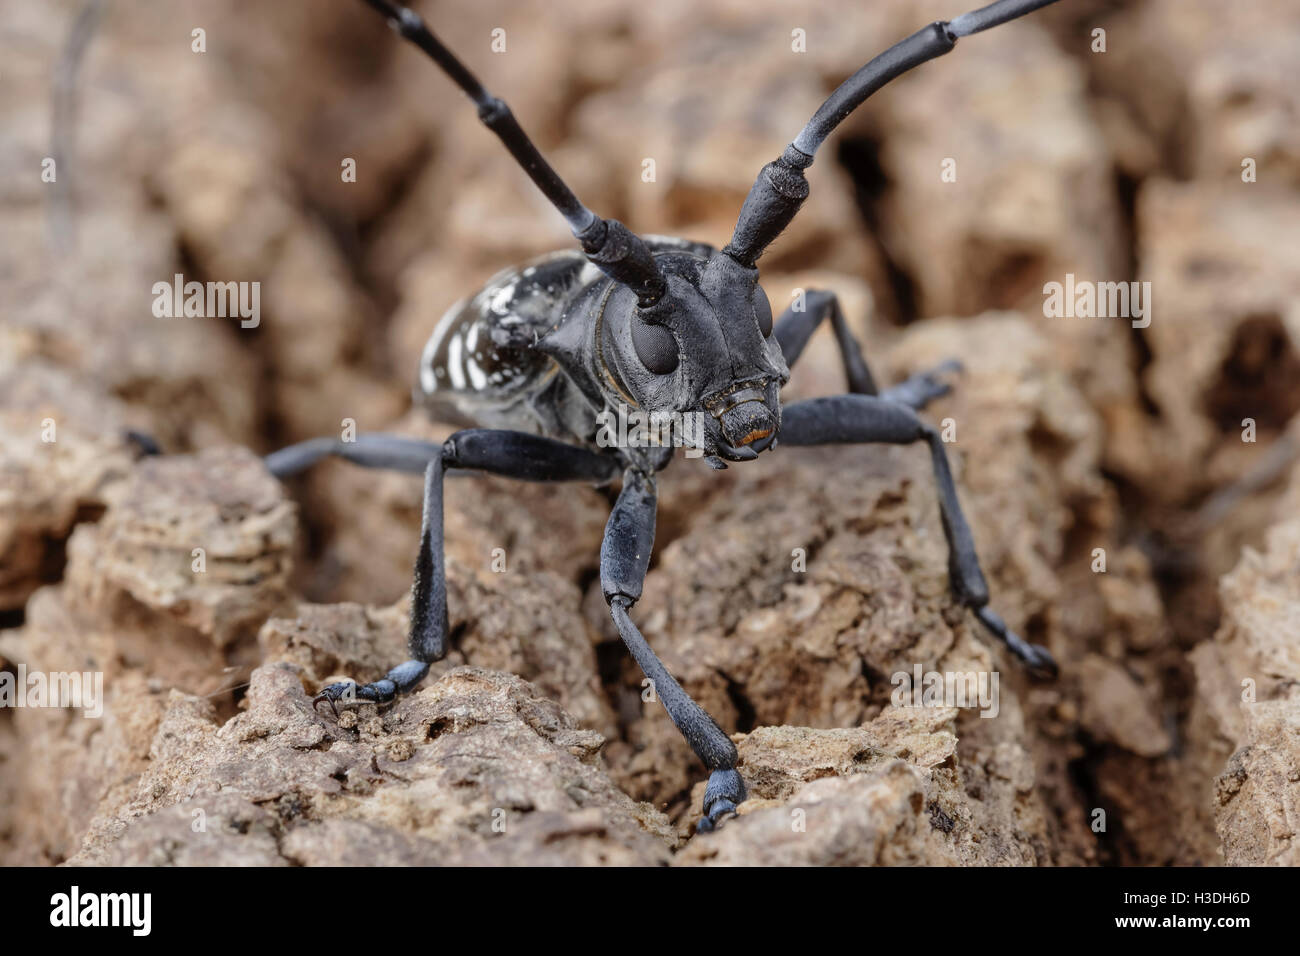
[(705, 349)]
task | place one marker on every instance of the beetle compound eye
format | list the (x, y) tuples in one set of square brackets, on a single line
[(762, 311), (655, 347)]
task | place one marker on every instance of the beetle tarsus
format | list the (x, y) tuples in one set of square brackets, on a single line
[(725, 791), (1036, 657), (924, 387), (145, 443), (380, 692)]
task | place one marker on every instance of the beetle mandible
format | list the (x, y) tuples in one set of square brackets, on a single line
[(665, 326)]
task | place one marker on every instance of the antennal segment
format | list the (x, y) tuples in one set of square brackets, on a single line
[(611, 246), (995, 14), (781, 186), (494, 113)]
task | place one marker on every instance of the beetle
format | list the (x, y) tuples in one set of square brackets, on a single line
[(544, 352)]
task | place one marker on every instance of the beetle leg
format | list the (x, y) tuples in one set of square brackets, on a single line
[(624, 559), (144, 443), (841, 419), (921, 389), (794, 328), (511, 454), (370, 450)]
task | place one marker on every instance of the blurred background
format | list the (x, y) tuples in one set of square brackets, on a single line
[(1112, 140)]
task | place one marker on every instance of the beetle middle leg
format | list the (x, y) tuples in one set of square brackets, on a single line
[(511, 454), (795, 327), (841, 419), (624, 559)]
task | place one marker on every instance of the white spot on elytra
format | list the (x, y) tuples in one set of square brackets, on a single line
[(476, 377), (428, 375), (454, 349), (500, 299)]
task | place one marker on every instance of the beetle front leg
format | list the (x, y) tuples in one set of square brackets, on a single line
[(370, 450), (510, 454), (427, 640), (624, 559), (841, 419)]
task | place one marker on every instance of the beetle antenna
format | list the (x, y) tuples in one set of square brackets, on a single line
[(617, 251), (781, 186)]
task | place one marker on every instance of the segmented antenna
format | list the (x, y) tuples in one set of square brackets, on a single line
[(781, 186), (611, 246)]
